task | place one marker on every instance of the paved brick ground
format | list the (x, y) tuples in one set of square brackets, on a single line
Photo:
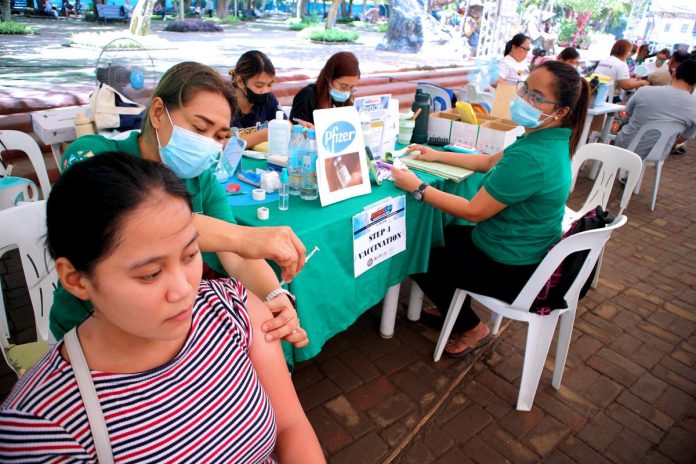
[(628, 393)]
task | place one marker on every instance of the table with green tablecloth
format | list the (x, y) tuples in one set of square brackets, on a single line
[(329, 297)]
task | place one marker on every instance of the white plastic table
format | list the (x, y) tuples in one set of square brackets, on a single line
[(609, 109)]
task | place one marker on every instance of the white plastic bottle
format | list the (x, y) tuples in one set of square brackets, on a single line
[(309, 189), (278, 135), (297, 143)]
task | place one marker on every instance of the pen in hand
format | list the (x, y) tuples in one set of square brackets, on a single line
[(309, 256)]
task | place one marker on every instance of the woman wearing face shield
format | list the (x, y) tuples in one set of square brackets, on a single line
[(253, 77), (185, 127), (334, 87), (518, 208)]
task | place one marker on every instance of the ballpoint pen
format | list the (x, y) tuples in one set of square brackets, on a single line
[(309, 256)]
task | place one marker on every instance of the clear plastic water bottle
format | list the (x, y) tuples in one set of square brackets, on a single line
[(297, 144), (309, 189)]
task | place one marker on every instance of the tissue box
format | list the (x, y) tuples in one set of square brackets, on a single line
[(57, 125)]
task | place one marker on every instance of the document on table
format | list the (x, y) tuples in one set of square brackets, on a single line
[(443, 170)]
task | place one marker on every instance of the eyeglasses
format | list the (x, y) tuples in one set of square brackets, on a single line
[(534, 99), (345, 87), (524, 48)]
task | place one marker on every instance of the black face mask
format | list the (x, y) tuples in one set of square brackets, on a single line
[(255, 98)]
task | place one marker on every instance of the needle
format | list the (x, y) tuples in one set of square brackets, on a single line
[(309, 256)]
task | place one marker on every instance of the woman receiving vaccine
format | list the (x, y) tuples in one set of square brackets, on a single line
[(185, 127), (253, 77), (178, 367), (334, 87), (519, 207)]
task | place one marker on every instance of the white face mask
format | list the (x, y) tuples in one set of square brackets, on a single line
[(188, 154)]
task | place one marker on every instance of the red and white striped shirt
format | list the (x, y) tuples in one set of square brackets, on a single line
[(205, 405)]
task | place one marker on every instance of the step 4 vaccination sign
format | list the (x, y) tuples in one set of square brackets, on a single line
[(379, 232)]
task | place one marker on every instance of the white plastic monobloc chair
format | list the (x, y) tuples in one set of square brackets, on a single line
[(24, 227), (16, 140), (540, 328), (659, 152), (613, 159)]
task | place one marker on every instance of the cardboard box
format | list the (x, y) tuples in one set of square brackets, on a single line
[(56, 125), (446, 127), (494, 136)]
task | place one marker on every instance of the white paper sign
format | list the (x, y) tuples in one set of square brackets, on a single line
[(341, 162), (373, 114), (379, 232)]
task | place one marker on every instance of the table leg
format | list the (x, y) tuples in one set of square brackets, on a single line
[(603, 138), (415, 302), (585, 131), (389, 307), (57, 155)]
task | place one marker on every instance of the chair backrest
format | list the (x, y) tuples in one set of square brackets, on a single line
[(668, 132), (442, 98), (16, 140), (591, 240), (612, 158), (24, 227)]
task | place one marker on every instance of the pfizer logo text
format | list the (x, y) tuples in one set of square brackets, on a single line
[(338, 136)]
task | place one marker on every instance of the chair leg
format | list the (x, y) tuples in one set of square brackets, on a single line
[(389, 307), (658, 171), (415, 302), (496, 320), (636, 191), (452, 313), (539, 335), (565, 333), (595, 280)]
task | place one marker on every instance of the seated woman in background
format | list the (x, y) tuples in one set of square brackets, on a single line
[(185, 127), (519, 207), (616, 68), (166, 353), (570, 56), (334, 87), (253, 77), (513, 67)]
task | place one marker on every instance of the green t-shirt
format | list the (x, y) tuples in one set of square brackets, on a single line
[(207, 197), (533, 179)]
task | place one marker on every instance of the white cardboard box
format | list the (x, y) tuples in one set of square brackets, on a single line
[(56, 125), (445, 127), (494, 136)]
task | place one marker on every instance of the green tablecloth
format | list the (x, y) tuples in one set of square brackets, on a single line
[(329, 297)]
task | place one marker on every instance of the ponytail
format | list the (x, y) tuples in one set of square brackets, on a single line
[(571, 91), (576, 119), (518, 40)]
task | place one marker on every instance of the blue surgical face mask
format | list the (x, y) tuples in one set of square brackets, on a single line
[(339, 96), (524, 114), (188, 154)]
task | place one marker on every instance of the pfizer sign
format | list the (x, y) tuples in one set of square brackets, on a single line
[(338, 136)]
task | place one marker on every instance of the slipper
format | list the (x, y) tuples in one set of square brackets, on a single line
[(431, 311), (481, 343)]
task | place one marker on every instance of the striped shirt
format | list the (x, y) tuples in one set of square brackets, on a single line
[(205, 405)]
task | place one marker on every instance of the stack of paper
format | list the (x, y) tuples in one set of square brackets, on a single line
[(443, 170)]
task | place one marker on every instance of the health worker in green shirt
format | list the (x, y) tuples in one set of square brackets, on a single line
[(519, 207), (185, 127)]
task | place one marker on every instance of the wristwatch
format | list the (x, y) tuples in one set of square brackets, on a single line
[(281, 291), (419, 193)]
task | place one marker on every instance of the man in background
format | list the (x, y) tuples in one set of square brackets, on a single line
[(674, 102)]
